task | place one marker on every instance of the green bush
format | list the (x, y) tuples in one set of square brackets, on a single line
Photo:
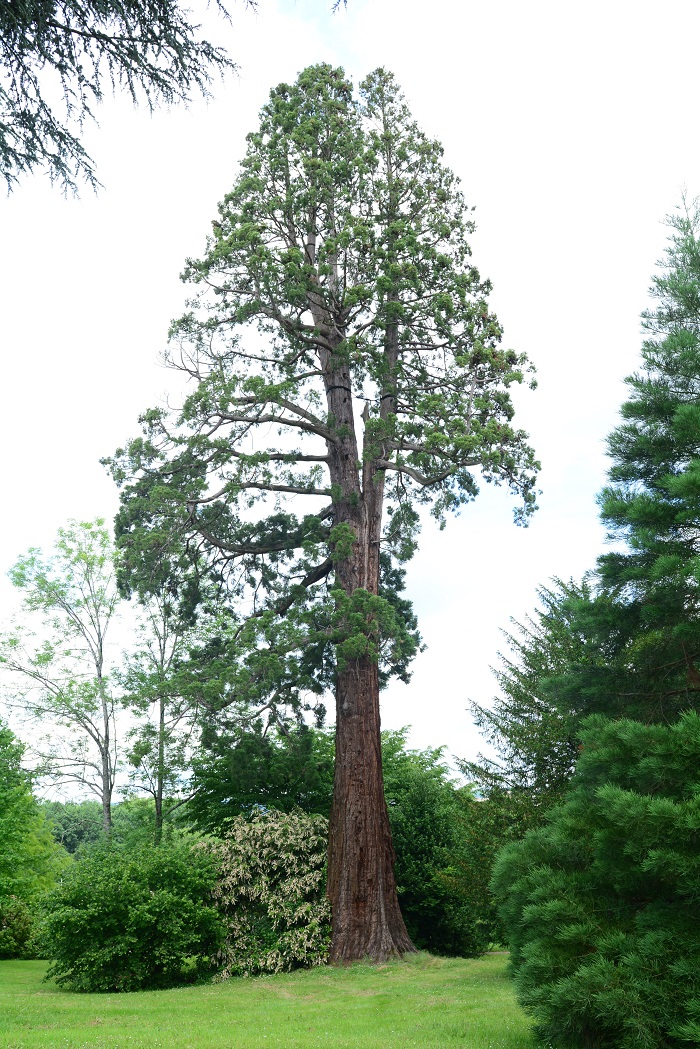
[(482, 827), (126, 920), (17, 928), (426, 812), (271, 892), (602, 905)]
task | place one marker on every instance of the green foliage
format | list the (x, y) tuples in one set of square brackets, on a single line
[(147, 47), (74, 824), (601, 904), (17, 928), (29, 859), (483, 826), (533, 733), (128, 920), (425, 810), (77, 825), (242, 772), (271, 891)]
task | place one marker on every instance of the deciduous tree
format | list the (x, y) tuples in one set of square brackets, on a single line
[(343, 356), (165, 732), (29, 859), (55, 656)]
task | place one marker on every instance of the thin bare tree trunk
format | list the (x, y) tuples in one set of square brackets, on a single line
[(160, 773), (105, 756)]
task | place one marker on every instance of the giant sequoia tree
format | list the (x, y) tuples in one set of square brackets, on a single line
[(344, 361)]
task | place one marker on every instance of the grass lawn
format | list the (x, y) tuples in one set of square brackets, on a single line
[(426, 1001)]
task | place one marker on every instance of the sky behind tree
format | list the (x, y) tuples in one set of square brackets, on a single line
[(572, 129)]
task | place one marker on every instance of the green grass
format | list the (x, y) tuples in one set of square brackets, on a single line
[(430, 1002)]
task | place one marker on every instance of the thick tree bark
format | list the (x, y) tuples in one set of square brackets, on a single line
[(367, 921), (366, 918)]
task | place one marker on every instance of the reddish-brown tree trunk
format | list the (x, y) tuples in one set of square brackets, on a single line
[(367, 921), (366, 917)]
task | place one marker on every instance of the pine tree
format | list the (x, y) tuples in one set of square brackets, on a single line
[(533, 734), (650, 585)]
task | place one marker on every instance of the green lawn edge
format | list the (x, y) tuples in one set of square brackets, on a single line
[(422, 1001)]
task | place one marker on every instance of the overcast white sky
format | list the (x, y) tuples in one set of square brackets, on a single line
[(574, 131)]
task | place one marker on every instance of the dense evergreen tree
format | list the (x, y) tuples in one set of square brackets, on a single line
[(532, 732), (343, 356), (643, 621), (601, 904), (57, 55)]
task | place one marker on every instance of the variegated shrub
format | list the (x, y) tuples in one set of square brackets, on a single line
[(272, 893)]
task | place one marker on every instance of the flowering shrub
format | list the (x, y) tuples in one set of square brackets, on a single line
[(271, 893)]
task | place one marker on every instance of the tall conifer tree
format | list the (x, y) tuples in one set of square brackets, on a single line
[(647, 616), (344, 358)]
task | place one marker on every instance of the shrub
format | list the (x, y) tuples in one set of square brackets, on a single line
[(16, 928), (602, 905), (426, 814), (271, 892), (483, 826), (132, 920)]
